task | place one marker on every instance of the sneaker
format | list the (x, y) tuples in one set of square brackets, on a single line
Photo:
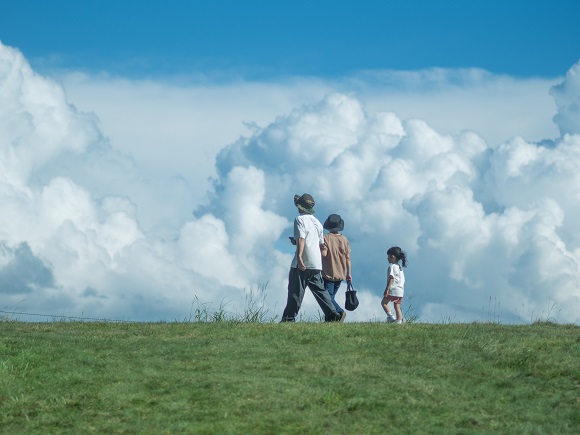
[(399, 321), (391, 318), (334, 317), (342, 316)]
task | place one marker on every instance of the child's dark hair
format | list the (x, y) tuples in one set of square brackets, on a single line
[(399, 255)]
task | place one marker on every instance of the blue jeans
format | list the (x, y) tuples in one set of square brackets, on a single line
[(332, 289)]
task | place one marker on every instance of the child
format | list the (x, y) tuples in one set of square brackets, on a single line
[(335, 259), (395, 284)]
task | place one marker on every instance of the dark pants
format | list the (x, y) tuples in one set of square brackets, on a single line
[(332, 288), (298, 280)]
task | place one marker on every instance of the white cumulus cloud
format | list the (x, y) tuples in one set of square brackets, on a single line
[(567, 96), (126, 231), (479, 222)]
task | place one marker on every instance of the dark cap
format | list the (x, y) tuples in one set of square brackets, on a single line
[(305, 203), (334, 223)]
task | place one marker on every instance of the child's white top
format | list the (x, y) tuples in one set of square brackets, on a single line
[(398, 284)]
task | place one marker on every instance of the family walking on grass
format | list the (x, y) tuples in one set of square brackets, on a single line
[(322, 261)]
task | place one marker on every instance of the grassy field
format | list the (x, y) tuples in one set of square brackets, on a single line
[(302, 378)]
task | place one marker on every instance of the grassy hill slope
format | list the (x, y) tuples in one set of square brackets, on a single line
[(231, 377)]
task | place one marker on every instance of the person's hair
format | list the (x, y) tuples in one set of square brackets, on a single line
[(399, 255)]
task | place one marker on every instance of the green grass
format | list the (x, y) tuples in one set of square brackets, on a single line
[(312, 378)]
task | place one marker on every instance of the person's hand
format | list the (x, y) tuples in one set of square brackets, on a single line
[(301, 265), (348, 277)]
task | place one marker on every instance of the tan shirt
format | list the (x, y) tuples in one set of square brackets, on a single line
[(335, 263)]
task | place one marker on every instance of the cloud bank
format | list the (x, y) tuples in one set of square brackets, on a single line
[(89, 228)]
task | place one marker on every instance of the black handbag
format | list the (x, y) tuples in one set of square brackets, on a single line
[(351, 301)]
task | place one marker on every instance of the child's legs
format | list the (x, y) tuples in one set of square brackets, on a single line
[(385, 305), (398, 310), (332, 288)]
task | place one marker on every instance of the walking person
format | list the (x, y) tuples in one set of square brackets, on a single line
[(395, 284), (306, 267), (335, 259)]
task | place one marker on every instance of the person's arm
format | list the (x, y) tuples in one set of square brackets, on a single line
[(323, 250), (348, 263), (300, 248), (348, 269), (389, 283)]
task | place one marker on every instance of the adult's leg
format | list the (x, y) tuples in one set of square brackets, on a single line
[(316, 286), (296, 287)]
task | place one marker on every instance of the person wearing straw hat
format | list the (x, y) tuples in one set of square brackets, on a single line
[(306, 267), (335, 259)]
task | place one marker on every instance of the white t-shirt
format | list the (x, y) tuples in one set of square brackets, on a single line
[(310, 229), (398, 284)]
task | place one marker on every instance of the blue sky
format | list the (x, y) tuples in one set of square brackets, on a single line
[(150, 153), (260, 39)]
